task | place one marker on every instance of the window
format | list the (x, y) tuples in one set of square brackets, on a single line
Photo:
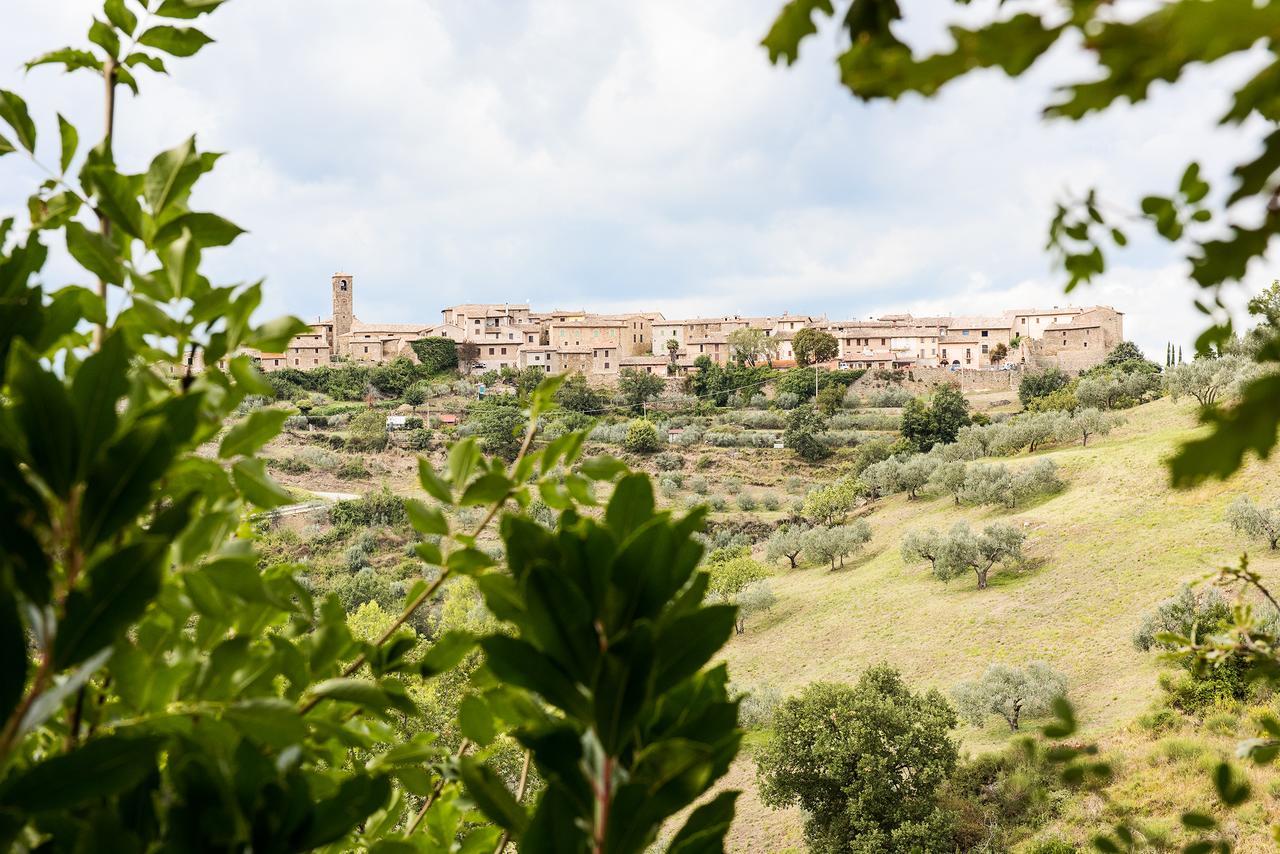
[(964, 332), (366, 349), (984, 348), (490, 351), (984, 333), (606, 364), (1086, 343), (504, 351)]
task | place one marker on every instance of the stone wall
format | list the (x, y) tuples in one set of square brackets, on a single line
[(925, 378)]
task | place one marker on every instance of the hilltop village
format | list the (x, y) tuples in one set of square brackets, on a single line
[(599, 346)]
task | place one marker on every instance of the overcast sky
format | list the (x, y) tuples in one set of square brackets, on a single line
[(617, 154)]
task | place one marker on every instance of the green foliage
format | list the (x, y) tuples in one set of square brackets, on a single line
[(961, 551), (829, 400), (418, 439), (1009, 692), (373, 508), (1208, 380), (642, 437), (367, 431), (626, 683), (394, 377), (1062, 400), (805, 427), (639, 387), (498, 423), (1123, 354), (813, 345), (865, 763), (937, 423), (827, 544), (717, 383), (168, 687), (828, 505), (993, 800), (786, 542), (576, 395), (1124, 59), (436, 354), (749, 345), (1255, 520), (1042, 383)]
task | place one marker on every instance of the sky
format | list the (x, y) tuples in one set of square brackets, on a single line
[(614, 155)]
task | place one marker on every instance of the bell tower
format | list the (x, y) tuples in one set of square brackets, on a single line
[(343, 307)]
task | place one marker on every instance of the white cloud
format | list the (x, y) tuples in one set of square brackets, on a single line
[(628, 154)]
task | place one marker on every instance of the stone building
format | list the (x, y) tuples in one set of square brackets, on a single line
[(511, 335)]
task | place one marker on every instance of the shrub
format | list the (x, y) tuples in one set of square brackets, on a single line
[(1255, 520), (641, 438), (288, 465), (689, 437), (716, 503), (373, 508), (1159, 720), (318, 458), (668, 487), (787, 400), (757, 705), (351, 468), (698, 484), (892, 396), (418, 440), (705, 461), (770, 501), (367, 431), (668, 461), (746, 502), (732, 485)]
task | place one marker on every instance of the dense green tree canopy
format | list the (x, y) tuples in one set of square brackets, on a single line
[(813, 345), (864, 762)]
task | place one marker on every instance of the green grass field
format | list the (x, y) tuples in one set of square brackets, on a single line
[(1104, 551)]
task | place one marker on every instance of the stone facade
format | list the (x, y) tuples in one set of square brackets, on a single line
[(511, 335)]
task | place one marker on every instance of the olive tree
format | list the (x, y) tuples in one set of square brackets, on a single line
[(950, 477), (830, 544), (1255, 520), (864, 762), (829, 504), (1009, 692), (786, 542), (961, 550), (1208, 380), (916, 472), (924, 545), (1086, 423), (753, 599)]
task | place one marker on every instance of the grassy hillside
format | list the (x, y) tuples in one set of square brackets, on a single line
[(1114, 543)]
